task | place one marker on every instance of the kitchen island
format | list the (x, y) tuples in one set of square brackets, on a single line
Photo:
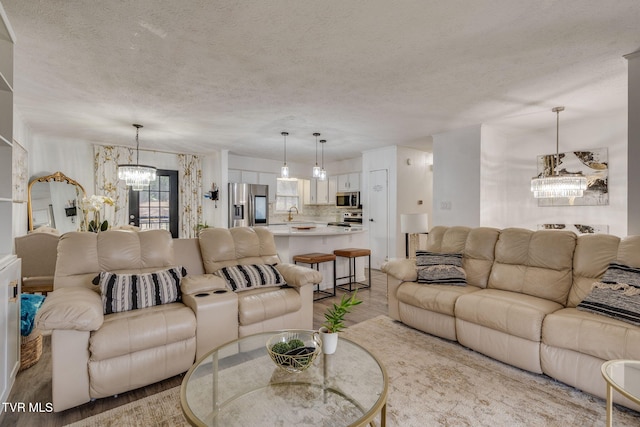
[(302, 238)]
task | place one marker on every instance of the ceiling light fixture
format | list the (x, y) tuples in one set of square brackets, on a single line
[(323, 173), (553, 183), (284, 170), (316, 169), (137, 176)]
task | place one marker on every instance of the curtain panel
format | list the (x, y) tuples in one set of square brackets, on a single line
[(106, 161), (190, 183)]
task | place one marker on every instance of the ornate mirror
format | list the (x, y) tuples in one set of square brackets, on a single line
[(54, 201)]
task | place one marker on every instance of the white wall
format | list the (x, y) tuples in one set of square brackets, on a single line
[(22, 135), (633, 148), (456, 177)]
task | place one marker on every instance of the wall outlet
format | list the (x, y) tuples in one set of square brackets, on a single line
[(445, 206)]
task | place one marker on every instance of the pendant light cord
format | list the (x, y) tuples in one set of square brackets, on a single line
[(557, 159), (137, 126)]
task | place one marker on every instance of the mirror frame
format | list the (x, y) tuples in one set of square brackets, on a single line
[(56, 177)]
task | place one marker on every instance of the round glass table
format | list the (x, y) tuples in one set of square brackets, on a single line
[(624, 376), (238, 384)]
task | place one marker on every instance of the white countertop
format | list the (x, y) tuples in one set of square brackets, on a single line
[(301, 230)]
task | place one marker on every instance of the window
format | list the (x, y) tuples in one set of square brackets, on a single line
[(287, 194), (156, 207)]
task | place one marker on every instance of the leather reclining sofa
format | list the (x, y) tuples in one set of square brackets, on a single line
[(96, 355), (519, 305)]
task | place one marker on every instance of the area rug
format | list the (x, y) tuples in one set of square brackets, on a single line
[(432, 382)]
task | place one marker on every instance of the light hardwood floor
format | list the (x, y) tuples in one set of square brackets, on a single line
[(34, 384)]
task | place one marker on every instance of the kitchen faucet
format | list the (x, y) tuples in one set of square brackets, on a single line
[(290, 217)]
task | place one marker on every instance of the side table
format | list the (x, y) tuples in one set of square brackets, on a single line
[(624, 377)]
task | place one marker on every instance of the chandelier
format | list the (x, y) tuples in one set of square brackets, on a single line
[(316, 169), (284, 170), (323, 173), (556, 184), (137, 176)]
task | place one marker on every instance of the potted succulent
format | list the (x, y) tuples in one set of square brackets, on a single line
[(334, 322)]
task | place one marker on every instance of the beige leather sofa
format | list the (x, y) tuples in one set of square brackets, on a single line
[(519, 306), (96, 355)]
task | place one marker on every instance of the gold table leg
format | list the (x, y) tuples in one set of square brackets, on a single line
[(609, 405)]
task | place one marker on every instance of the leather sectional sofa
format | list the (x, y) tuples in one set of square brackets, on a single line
[(97, 355), (519, 305)]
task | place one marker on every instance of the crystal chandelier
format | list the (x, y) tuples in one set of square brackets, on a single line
[(137, 176), (316, 169), (284, 170), (557, 184), (323, 173)]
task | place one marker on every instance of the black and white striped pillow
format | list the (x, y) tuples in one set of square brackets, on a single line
[(124, 292), (245, 277), (440, 269), (617, 295)]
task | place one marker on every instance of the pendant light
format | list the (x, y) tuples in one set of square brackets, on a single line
[(316, 169), (557, 184), (284, 170), (323, 172), (137, 176)]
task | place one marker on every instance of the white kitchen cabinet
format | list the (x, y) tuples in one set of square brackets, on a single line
[(333, 189), (9, 323), (316, 192), (234, 175), (270, 179), (349, 182)]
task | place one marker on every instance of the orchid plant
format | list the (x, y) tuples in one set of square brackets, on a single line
[(93, 205)]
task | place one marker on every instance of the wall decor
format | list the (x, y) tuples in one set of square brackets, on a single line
[(20, 179), (594, 164), (577, 228)]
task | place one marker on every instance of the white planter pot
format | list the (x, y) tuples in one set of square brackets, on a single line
[(329, 341)]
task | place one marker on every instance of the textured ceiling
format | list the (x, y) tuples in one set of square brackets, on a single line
[(206, 75)]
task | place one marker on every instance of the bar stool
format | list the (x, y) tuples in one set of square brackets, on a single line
[(316, 258), (352, 254)]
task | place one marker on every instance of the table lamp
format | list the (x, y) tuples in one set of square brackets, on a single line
[(413, 224)]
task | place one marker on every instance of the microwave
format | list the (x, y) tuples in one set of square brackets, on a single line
[(348, 200)]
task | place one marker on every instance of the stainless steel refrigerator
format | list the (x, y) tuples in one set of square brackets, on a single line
[(248, 205)]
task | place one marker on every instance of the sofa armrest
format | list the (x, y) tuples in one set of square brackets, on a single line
[(200, 283), (73, 308), (402, 269), (297, 275)]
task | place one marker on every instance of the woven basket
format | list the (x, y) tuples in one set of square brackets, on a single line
[(30, 349), (295, 362)]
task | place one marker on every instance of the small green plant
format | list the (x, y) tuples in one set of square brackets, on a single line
[(284, 347), (334, 316)]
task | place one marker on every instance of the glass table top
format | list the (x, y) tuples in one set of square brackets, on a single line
[(624, 376), (239, 385)]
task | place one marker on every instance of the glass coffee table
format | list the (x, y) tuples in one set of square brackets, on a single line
[(238, 384), (624, 376)]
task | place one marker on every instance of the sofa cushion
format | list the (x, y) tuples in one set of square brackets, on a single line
[(259, 305), (440, 268), (124, 292), (127, 332), (536, 263), (617, 300), (509, 312), (436, 298), (245, 277), (592, 334)]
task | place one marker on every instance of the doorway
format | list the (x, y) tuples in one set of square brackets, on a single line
[(156, 207), (379, 216)]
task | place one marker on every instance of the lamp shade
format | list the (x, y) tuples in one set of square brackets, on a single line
[(414, 223)]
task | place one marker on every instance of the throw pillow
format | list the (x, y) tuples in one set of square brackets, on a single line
[(443, 269), (245, 277), (124, 292), (617, 296)]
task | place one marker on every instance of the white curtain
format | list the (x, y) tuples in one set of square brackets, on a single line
[(106, 161), (190, 183)]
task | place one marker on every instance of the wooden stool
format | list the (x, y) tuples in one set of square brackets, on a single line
[(352, 254), (316, 258)]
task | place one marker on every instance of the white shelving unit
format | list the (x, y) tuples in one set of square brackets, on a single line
[(9, 263)]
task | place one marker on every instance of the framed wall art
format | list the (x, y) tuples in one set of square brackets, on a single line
[(20, 178)]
